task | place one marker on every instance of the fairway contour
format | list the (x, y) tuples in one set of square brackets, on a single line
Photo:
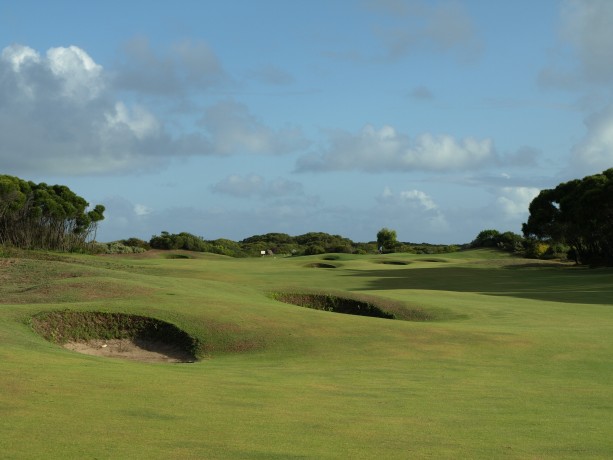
[(333, 303), (117, 335)]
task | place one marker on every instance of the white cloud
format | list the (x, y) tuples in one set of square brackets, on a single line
[(138, 121), (58, 114), (420, 197), (595, 152), (255, 185), (233, 129), (411, 209), (19, 55), (80, 75), (384, 149), (514, 201), (142, 210)]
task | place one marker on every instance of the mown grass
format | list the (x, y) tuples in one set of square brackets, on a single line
[(517, 363)]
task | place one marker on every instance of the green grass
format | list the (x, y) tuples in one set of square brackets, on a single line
[(517, 364)]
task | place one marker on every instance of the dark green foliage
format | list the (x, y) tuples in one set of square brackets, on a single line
[(182, 240), (578, 214), (136, 243), (486, 238), (41, 216), (312, 243), (386, 240), (508, 241)]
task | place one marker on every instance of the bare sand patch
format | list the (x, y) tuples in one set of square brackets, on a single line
[(144, 351)]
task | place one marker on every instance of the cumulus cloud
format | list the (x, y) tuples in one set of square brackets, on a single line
[(513, 202), (595, 151), (69, 72), (234, 129), (384, 149), (411, 208), (255, 185), (60, 113), (58, 116)]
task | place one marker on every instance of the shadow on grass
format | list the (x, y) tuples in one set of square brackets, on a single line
[(559, 284)]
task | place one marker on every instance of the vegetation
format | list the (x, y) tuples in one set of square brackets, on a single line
[(386, 240), (515, 363), (579, 214), (507, 241), (312, 243), (40, 216)]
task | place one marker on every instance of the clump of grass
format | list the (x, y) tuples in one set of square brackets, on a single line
[(353, 305), (67, 326)]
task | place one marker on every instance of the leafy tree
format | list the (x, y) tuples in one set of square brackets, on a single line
[(45, 217), (579, 214), (486, 238), (386, 239)]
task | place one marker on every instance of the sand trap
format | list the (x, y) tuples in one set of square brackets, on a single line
[(150, 352)]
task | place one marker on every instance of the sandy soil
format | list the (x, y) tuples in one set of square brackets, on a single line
[(150, 352)]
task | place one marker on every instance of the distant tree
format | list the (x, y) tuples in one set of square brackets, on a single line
[(386, 239), (136, 243), (511, 242), (486, 238)]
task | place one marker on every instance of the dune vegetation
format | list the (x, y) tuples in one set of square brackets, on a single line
[(509, 357)]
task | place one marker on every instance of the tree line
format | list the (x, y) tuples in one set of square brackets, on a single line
[(41, 216), (311, 243)]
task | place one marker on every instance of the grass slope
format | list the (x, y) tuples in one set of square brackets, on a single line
[(518, 365)]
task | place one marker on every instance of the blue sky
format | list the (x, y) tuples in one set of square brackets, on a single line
[(232, 118)]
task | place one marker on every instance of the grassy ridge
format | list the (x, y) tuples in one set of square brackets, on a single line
[(518, 364)]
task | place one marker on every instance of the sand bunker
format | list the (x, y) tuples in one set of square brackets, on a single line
[(149, 352), (117, 335)]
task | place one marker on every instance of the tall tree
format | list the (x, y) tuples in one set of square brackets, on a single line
[(578, 213)]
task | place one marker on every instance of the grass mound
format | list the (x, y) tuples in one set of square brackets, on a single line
[(320, 265), (66, 326), (354, 305)]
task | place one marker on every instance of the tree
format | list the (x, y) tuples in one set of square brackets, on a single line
[(579, 214), (486, 238), (386, 239), (40, 216)]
